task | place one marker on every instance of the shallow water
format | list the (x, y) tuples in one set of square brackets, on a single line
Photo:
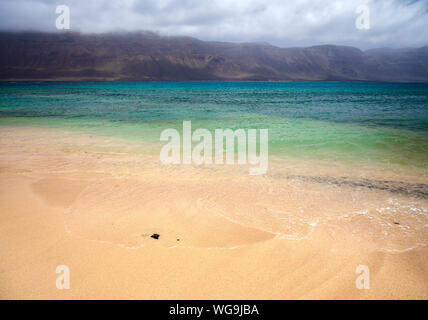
[(359, 123), (128, 194)]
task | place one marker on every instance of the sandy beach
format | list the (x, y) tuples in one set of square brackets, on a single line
[(91, 203)]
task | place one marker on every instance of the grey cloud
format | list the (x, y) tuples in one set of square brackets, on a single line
[(394, 23)]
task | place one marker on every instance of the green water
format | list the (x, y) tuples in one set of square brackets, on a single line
[(377, 123)]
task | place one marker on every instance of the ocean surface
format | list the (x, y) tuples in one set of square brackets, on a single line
[(371, 123)]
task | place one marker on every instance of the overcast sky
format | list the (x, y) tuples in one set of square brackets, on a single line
[(393, 23)]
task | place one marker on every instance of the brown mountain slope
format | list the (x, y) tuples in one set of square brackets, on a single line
[(149, 57)]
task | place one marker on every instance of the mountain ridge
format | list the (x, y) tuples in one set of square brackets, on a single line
[(146, 56)]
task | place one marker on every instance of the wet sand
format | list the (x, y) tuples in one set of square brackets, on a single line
[(92, 202)]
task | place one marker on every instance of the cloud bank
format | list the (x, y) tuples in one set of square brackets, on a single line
[(393, 23)]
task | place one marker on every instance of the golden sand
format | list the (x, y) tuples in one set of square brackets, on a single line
[(91, 203)]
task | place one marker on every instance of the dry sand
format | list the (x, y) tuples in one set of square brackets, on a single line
[(91, 203)]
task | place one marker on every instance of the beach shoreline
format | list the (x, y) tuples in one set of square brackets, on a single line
[(67, 200)]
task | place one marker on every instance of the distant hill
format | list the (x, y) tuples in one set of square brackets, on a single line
[(149, 57)]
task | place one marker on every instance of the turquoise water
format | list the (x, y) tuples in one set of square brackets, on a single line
[(380, 123)]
